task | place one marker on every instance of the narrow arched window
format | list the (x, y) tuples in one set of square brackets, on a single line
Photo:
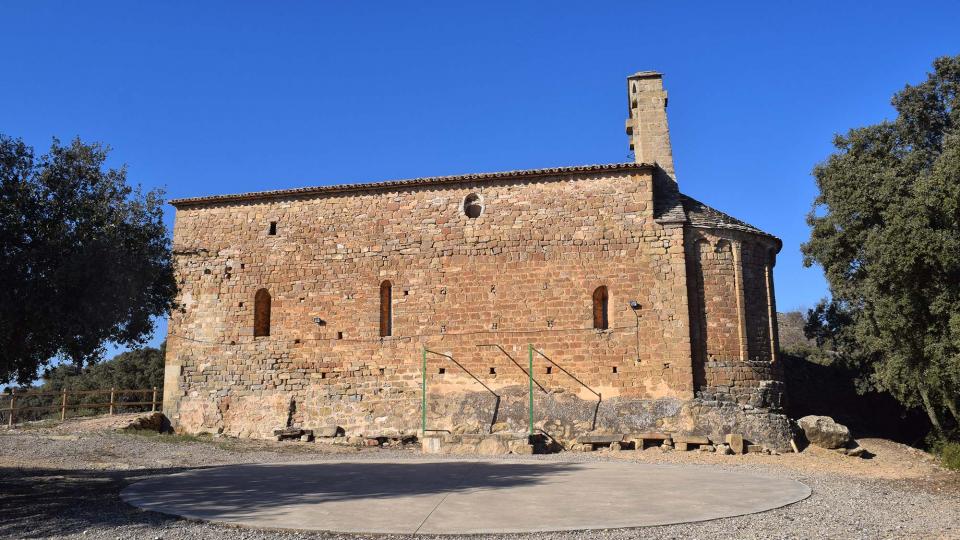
[(261, 313), (386, 309), (600, 301)]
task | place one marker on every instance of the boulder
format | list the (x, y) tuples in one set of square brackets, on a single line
[(328, 432), (492, 446), (824, 432), (154, 421)]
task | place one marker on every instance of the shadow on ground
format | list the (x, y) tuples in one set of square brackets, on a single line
[(36, 503), (276, 485), (49, 502)]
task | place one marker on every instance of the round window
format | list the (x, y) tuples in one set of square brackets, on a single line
[(472, 206)]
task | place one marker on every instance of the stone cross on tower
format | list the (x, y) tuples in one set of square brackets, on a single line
[(647, 123)]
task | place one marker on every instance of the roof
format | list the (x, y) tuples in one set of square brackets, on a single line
[(701, 215), (670, 206), (412, 182)]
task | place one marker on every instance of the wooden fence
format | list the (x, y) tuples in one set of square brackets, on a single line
[(83, 400)]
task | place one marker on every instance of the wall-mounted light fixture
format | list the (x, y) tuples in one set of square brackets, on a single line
[(634, 305), (319, 322)]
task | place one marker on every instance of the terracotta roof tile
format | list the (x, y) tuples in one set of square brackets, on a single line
[(413, 182)]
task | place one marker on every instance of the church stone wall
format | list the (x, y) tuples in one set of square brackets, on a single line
[(479, 291), (739, 387)]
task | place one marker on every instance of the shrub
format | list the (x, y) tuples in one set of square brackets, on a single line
[(949, 453)]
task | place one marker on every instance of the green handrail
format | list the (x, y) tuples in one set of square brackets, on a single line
[(530, 373), (423, 393)]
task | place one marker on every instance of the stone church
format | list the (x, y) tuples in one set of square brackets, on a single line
[(410, 305)]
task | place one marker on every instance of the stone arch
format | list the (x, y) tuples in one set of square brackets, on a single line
[(261, 313), (601, 308), (723, 248), (386, 308)]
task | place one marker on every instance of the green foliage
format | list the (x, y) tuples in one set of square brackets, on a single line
[(84, 258), (886, 230), (949, 453), (137, 369), (140, 369)]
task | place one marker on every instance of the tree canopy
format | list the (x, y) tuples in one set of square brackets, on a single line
[(137, 369), (886, 230), (84, 257)]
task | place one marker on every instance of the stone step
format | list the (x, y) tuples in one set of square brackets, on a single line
[(600, 439)]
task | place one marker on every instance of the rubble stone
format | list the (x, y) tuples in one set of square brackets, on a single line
[(824, 432)]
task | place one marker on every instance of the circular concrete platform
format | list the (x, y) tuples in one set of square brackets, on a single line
[(450, 497)]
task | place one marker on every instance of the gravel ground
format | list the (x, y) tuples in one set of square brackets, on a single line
[(64, 481)]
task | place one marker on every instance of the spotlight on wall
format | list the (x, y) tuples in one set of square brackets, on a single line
[(634, 305), (319, 322)]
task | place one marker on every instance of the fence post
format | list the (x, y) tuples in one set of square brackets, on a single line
[(153, 400), (63, 406), (112, 391), (13, 407)]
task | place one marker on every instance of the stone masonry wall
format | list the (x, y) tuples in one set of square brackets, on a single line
[(476, 290), (738, 385)]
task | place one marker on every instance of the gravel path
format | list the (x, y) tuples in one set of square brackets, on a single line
[(64, 483)]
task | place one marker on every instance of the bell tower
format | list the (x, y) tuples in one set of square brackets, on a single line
[(647, 120)]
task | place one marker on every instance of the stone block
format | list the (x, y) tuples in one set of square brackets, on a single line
[(431, 445), (492, 446), (735, 441)]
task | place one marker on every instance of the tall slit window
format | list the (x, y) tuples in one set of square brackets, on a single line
[(261, 313), (600, 301), (386, 309)]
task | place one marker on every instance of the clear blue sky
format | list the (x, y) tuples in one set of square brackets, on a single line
[(221, 97)]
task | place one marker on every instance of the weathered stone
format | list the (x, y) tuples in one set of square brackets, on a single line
[(154, 421), (824, 432), (691, 439), (735, 440), (600, 439), (725, 450), (520, 446), (431, 445), (492, 446), (327, 432), (499, 427), (754, 449), (859, 451)]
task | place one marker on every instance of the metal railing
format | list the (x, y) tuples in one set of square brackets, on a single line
[(423, 403), (596, 409), (530, 378)]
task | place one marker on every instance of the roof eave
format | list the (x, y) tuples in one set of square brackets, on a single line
[(407, 183)]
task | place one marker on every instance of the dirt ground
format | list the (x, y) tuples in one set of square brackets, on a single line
[(63, 480)]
